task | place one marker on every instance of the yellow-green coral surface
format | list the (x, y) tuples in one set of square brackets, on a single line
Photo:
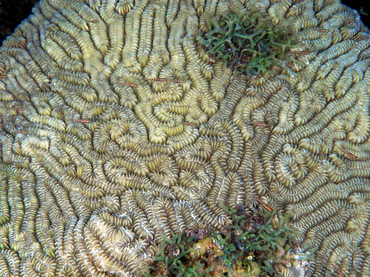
[(99, 160)]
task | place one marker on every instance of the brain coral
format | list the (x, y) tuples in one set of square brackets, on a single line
[(117, 128)]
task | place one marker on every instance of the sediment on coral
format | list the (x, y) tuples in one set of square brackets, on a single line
[(117, 129)]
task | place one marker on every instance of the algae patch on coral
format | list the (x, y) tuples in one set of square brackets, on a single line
[(248, 42), (254, 243)]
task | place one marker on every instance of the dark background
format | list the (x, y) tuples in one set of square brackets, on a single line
[(357, 5), (12, 12)]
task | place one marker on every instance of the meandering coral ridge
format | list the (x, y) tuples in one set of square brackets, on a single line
[(116, 128)]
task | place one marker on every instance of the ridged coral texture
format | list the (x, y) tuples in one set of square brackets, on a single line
[(116, 128)]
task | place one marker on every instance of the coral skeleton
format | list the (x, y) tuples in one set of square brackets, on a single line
[(125, 123)]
